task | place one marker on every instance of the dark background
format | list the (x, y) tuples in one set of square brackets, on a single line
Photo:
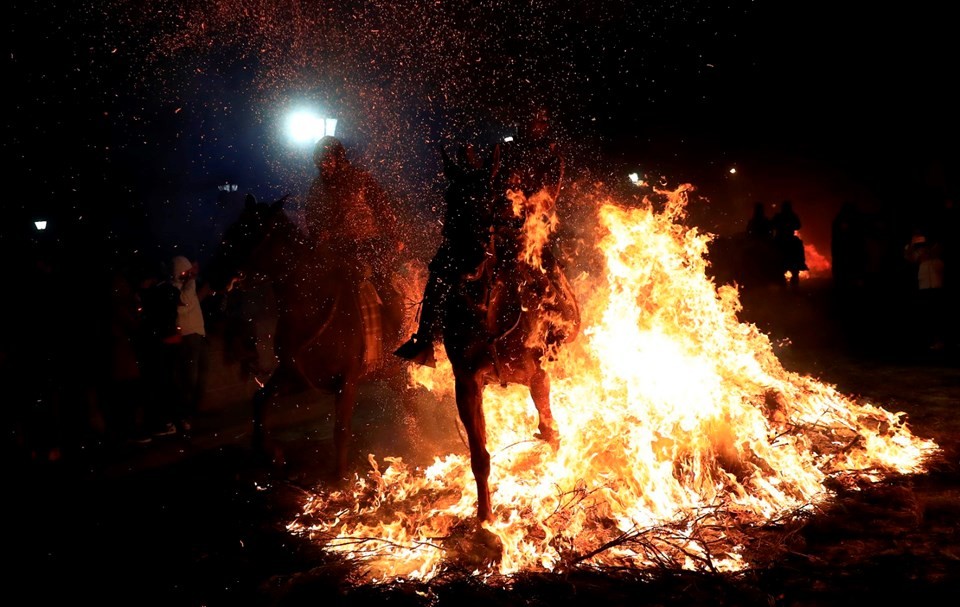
[(123, 117)]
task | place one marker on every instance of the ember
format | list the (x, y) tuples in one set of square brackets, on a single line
[(678, 425)]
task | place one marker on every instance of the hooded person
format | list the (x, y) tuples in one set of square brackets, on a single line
[(190, 313), (191, 364), (157, 344), (350, 213)]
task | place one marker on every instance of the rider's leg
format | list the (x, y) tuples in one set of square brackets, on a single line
[(419, 348)]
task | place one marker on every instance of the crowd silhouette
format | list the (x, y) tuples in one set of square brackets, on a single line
[(891, 285), (768, 252)]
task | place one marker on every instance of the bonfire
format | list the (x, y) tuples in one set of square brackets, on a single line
[(681, 432)]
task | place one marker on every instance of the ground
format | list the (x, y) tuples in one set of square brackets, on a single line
[(198, 521)]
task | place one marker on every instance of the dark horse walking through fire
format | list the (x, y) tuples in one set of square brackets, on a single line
[(501, 322), (333, 327)]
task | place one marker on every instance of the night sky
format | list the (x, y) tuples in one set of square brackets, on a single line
[(124, 116)]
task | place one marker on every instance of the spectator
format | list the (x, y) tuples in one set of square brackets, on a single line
[(157, 340), (760, 261), (760, 227), (190, 371), (930, 311), (788, 244)]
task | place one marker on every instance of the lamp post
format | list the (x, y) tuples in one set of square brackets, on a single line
[(305, 127)]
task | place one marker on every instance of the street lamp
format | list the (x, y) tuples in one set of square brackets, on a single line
[(307, 127)]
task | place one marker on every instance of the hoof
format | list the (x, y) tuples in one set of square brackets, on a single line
[(549, 436), (473, 547), (342, 480), (418, 351), (278, 460)]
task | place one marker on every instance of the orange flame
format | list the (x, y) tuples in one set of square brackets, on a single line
[(678, 424), (539, 222), (817, 264)]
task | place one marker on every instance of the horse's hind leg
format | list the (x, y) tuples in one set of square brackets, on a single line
[(540, 393), (344, 403), (469, 393), (409, 415)]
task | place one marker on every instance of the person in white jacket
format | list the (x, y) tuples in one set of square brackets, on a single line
[(192, 359), (931, 296)]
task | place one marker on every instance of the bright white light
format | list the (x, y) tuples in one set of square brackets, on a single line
[(306, 127), (508, 138), (733, 170), (634, 178), (41, 224)]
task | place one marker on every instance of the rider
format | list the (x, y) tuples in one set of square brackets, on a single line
[(533, 162), (531, 166), (532, 174), (467, 212), (350, 213)]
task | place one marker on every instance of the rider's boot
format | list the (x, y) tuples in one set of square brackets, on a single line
[(419, 350)]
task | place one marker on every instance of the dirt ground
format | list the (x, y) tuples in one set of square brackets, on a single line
[(199, 522)]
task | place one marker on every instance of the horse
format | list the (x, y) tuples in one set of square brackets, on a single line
[(500, 322), (333, 326)]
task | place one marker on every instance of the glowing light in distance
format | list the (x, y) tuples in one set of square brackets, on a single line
[(304, 126), (330, 126), (41, 224)]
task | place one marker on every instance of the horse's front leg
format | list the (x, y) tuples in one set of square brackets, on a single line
[(262, 400), (540, 393), (283, 381), (344, 403), (469, 394), (409, 415)]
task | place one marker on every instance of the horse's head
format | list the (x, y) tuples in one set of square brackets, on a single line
[(243, 241)]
